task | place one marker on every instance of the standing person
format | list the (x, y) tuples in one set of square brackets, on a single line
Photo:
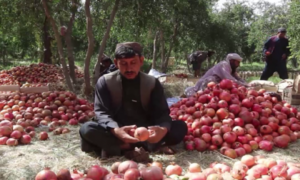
[(223, 70), (197, 58), (275, 54), (127, 99)]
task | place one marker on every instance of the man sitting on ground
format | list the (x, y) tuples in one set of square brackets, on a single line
[(224, 70), (127, 99)]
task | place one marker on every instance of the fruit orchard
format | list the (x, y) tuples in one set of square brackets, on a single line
[(233, 132)]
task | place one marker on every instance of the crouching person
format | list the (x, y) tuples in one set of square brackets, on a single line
[(127, 99)]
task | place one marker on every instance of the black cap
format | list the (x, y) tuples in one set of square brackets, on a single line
[(128, 50), (281, 30), (106, 58)]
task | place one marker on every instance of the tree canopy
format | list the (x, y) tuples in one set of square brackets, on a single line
[(179, 28)]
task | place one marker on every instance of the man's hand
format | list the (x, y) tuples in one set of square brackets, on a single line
[(123, 134), (284, 56), (156, 133)]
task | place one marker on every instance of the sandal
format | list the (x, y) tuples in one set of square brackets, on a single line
[(166, 150), (138, 155)]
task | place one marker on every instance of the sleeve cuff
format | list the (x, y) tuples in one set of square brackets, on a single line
[(109, 124), (166, 125), (112, 124)]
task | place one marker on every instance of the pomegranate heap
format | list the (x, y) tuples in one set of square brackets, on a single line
[(21, 113), (248, 168), (235, 119), (34, 73), (260, 168), (127, 170), (6, 79)]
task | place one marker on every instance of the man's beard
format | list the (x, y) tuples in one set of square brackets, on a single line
[(233, 68)]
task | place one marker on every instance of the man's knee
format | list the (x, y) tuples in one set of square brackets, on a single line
[(88, 129), (177, 132), (180, 127)]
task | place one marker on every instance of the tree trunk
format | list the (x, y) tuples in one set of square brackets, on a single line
[(3, 56), (154, 50), (68, 40), (59, 46), (188, 63), (173, 38), (162, 46), (47, 43), (103, 43), (90, 50)]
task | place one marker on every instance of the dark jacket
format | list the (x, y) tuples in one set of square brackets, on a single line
[(110, 69), (277, 46), (131, 111)]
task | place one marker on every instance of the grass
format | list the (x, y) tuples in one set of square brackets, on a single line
[(252, 67), (274, 79), (13, 63), (178, 64), (63, 151), (23, 162)]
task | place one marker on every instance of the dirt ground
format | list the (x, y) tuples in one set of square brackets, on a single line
[(63, 151), (24, 161)]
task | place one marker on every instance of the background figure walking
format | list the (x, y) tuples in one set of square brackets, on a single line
[(275, 55)]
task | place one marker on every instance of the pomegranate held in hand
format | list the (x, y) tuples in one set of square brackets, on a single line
[(141, 133)]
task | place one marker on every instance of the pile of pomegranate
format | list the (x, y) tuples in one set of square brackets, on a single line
[(6, 79), (248, 168), (34, 73), (259, 168), (236, 120), (21, 113)]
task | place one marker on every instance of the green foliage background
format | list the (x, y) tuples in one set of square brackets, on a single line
[(234, 28)]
